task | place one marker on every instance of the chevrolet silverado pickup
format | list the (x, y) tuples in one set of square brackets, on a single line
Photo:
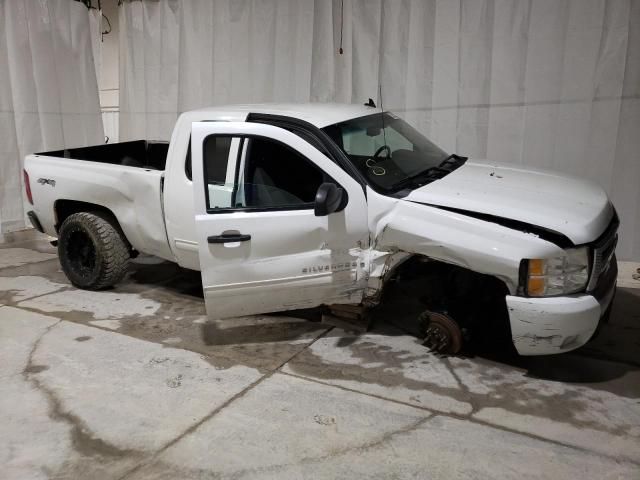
[(284, 207)]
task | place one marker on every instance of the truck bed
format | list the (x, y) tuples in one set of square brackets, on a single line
[(138, 153), (124, 178)]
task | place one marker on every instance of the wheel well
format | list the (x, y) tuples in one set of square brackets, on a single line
[(65, 208), (470, 297), (419, 265)]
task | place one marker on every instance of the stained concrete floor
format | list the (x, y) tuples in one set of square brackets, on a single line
[(136, 383)]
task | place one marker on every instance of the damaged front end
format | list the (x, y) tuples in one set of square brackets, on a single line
[(544, 326)]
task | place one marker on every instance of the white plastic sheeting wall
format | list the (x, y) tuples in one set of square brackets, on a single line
[(48, 89), (546, 83)]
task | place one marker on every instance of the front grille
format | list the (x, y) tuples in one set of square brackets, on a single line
[(603, 253)]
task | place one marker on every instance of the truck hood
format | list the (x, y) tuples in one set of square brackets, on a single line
[(578, 209)]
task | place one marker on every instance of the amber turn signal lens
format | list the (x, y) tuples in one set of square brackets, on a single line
[(536, 286), (536, 267)]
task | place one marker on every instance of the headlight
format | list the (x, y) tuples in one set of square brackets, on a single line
[(559, 275)]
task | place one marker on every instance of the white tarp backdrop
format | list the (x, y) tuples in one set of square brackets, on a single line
[(546, 83), (48, 89)]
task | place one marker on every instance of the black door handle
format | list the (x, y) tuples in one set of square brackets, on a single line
[(228, 238)]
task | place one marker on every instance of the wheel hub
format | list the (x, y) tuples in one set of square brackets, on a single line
[(441, 333)]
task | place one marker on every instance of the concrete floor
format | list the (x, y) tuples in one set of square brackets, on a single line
[(136, 383)]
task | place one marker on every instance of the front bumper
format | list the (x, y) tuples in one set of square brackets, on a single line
[(544, 326)]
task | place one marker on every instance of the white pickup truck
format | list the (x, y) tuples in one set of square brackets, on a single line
[(287, 207)]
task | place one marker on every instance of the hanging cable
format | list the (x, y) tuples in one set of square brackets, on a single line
[(87, 3), (106, 32), (341, 25)]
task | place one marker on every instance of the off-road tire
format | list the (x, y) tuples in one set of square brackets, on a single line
[(93, 253)]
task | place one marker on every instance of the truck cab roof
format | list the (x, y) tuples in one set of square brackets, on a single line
[(318, 114)]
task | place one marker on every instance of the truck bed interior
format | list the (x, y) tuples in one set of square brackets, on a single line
[(137, 153)]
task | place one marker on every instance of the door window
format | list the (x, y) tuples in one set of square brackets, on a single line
[(265, 175)]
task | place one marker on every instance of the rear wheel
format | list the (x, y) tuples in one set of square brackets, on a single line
[(93, 253)]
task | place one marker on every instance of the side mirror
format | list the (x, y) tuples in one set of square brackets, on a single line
[(329, 198)]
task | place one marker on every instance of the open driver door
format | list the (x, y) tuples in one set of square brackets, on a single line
[(279, 225)]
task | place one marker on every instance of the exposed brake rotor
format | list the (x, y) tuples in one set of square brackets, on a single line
[(441, 332)]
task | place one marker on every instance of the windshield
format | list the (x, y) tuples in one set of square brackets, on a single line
[(392, 157)]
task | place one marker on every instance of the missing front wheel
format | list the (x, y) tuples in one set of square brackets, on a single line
[(440, 333)]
